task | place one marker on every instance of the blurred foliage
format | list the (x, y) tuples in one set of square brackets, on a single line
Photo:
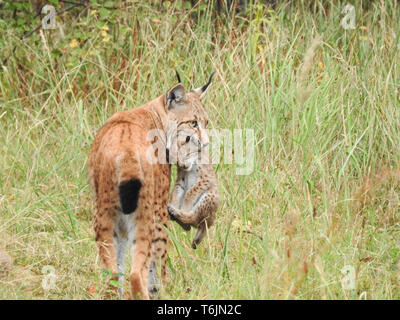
[(96, 20), (112, 29)]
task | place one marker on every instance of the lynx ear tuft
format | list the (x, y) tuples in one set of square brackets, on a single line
[(202, 90), (178, 77)]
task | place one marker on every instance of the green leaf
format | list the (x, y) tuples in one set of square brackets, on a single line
[(79, 34), (17, 5), (106, 273), (100, 24), (109, 4), (115, 283), (56, 53), (104, 13)]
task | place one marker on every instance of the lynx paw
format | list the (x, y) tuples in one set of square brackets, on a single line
[(174, 215), (171, 212)]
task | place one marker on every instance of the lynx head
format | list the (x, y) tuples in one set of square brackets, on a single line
[(185, 113), (186, 147)]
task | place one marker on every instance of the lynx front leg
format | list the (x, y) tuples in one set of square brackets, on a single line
[(194, 215), (175, 213), (201, 215), (178, 214), (176, 202), (177, 195)]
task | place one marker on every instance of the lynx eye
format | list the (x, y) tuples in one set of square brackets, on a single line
[(187, 139), (194, 124)]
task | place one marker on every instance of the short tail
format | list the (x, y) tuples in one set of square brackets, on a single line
[(129, 195)]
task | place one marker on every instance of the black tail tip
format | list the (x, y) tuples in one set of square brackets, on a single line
[(129, 195)]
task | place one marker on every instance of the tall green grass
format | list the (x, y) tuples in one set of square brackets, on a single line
[(324, 193)]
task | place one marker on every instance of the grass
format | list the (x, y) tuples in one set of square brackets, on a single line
[(324, 193)]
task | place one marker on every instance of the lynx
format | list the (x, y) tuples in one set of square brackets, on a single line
[(195, 197), (131, 192)]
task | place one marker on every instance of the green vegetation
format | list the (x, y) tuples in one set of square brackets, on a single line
[(324, 105)]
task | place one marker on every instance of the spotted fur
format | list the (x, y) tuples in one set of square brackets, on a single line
[(195, 197), (131, 191)]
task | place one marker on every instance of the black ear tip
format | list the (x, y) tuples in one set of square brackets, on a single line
[(177, 75), (208, 83), (211, 76)]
